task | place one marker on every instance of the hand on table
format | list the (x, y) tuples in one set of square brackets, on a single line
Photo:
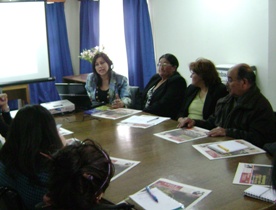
[(218, 131), (185, 122), (117, 103)]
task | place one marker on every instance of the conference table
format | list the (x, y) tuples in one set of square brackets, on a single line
[(164, 159)]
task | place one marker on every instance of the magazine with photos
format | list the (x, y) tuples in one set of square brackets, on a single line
[(253, 174), (122, 166), (187, 195), (114, 114), (181, 135), (211, 154)]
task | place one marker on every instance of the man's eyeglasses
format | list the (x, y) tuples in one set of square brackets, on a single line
[(163, 64)]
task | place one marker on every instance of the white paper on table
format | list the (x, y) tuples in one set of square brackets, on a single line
[(143, 121), (164, 201)]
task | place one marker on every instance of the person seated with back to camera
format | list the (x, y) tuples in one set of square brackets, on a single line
[(202, 95), (80, 174), (33, 130), (6, 119), (244, 113), (165, 91), (105, 85)]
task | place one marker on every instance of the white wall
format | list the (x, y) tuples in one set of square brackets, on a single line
[(224, 31), (270, 93)]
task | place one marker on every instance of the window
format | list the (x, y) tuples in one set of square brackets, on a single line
[(112, 34)]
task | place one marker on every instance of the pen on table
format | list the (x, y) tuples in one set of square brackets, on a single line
[(153, 119), (180, 207), (225, 149), (151, 195)]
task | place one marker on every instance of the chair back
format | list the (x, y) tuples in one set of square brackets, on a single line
[(135, 97), (10, 199)]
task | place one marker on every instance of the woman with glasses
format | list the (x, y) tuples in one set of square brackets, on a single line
[(104, 85), (202, 95), (165, 91), (22, 167), (80, 174)]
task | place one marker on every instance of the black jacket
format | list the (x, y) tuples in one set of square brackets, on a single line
[(251, 119), (5, 121), (215, 92), (166, 99)]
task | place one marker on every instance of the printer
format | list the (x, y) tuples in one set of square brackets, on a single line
[(61, 106)]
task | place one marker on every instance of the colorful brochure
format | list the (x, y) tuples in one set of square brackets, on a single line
[(253, 174), (184, 194), (122, 166), (115, 114), (181, 135), (213, 154)]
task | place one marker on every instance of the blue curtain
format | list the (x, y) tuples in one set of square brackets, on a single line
[(89, 30), (139, 42), (60, 60)]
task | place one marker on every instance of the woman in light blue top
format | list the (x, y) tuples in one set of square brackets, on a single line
[(105, 85)]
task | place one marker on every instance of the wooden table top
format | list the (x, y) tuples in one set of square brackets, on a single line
[(164, 159)]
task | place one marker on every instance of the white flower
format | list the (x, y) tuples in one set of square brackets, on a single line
[(89, 54)]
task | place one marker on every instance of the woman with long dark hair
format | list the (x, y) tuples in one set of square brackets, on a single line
[(105, 85), (22, 167)]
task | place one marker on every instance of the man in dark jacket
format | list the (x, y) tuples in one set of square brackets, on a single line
[(243, 114)]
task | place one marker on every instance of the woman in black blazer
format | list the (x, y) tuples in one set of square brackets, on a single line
[(202, 95), (165, 91)]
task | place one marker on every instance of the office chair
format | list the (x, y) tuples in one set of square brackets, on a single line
[(135, 97)]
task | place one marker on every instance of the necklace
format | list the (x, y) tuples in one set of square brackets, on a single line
[(102, 95)]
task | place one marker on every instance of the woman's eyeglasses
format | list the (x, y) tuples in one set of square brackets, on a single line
[(163, 64)]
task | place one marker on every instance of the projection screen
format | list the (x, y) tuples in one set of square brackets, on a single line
[(24, 56)]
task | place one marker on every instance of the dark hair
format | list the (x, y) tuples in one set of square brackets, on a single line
[(107, 60), (79, 173), (206, 70), (172, 59), (33, 130), (245, 72)]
